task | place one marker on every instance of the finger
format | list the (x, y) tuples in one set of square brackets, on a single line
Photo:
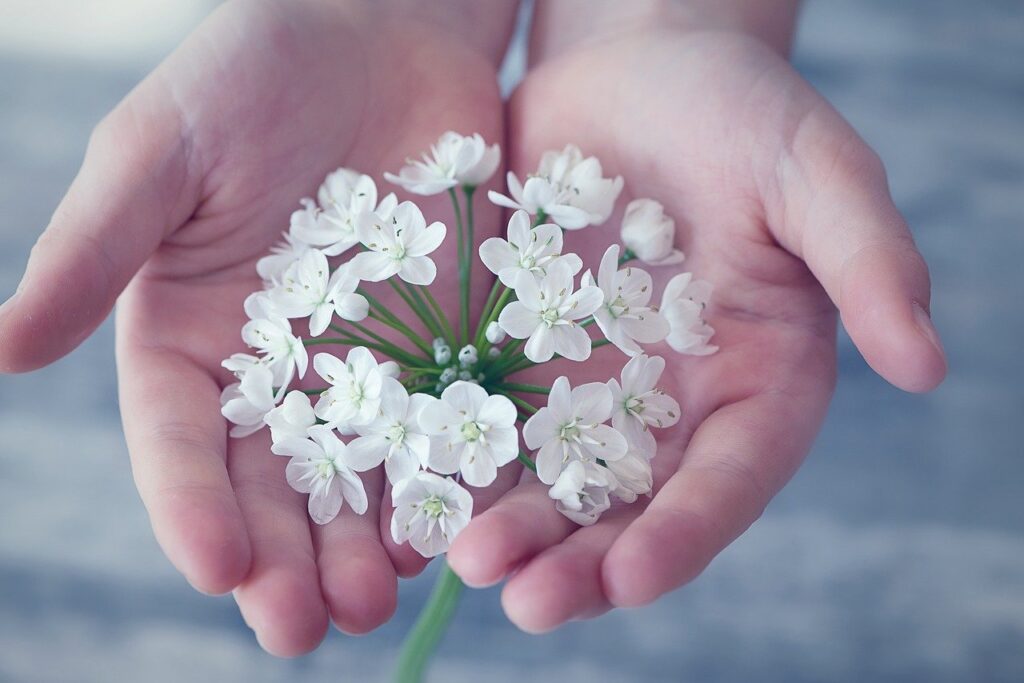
[(134, 187), (736, 461), (564, 582), (357, 578), (837, 214), (521, 524), (176, 441), (280, 599)]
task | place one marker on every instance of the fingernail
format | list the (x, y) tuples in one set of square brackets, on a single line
[(927, 328)]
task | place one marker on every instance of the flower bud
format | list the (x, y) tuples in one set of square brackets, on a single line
[(467, 356), (448, 376), (465, 375), (493, 352), (649, 233), (438, 342), (442, 354), (494, 333)]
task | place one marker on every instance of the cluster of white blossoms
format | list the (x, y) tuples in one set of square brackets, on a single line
[(443, 412)]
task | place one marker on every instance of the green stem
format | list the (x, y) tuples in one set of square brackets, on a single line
[(467, 260), (626, 256), (425, 636), (523, 388), (599, 343), (525, 459), (401, 327), (404, 290), (481, 328), (463, 269), (353, 342), (448, 329), (396, 352), (525, 405)]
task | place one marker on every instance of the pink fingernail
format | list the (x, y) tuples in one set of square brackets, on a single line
[(927, 328)]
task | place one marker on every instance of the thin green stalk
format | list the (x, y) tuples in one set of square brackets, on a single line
[(626, 256), (485, 317), (491, 315), (425, 636), (525, 405), (463, 270), (523, 388), (421, 311), (525, 459), (539, 218), (350, 342), (404, 329), (448, 329), (313, 392), (396, 352), (599, 343), (467, 260)]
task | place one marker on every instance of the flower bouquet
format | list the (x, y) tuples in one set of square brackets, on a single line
[(442, 413)]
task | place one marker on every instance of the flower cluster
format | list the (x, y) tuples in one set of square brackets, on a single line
[(444, 412)]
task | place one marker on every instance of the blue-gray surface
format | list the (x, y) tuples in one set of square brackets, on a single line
[(896, 554)]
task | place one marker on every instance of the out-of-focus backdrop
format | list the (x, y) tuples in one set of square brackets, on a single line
[(896, 554)]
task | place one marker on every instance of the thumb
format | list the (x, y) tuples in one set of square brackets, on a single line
[(837, 214), (133, 189)]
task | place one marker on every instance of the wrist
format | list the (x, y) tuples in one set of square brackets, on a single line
[(482, 25), (561, 25)]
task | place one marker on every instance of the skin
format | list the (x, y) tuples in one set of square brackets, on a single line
[(192, 178), (784, 209)]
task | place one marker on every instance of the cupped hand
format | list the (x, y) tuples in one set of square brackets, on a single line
[(786, 211), (184, 186)]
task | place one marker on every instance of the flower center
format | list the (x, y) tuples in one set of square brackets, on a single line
[(325, 469), (528, 262), (550, 317), (356, 393), (634, 405), (399, 253), (396, 433), (433, 507), (570, 432), (471, 431)]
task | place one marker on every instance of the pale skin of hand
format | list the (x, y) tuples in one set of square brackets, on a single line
[(193, 177), (784, 209), (184, 186)]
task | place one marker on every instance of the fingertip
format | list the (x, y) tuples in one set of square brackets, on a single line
[(205, 538), (361, 588), (520, 605), (480, 553), (285, 610)]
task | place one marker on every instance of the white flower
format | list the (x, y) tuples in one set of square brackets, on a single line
[(581, 492), (570, 428), (470, 432), (344, 196), (395, 434), (546, 314), (582, 181), (292, 419), (310, 289), (526, 250), (637, 404), (245, 403), (429, 512), (281, 351), (454, 160), (625, 316), (389, 368), (540, 194), (355, 392), (650, 234), (682, 304), (397, 246), (632, 476), (325, 468)]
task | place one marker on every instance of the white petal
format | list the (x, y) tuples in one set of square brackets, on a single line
[(478, 468), (427, 241), (352, 307), (549, 462), (373, 266), (570, 342), (497, 411), (417, 270), (518, 321), (366, 452)]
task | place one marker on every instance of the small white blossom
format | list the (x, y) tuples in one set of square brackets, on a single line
[(570, 428), (527, 250), (245, 403), (430, 511), (581, 492), (397, 246), (325, 468), (281, 351), (650, 234), (582, 181), (540, 194), (442, 354), (292, 419), (638, 404), (626, 317), (470, 432), (395, 434), (633, 476), (355, 392), (468, 356), (454, 160), (343, 197), (494, 334), (310, 289), (546, 314), (682, 305)]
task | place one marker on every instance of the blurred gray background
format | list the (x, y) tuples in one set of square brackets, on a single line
[(896, 554)]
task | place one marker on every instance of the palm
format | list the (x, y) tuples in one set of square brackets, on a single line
[(274, 102)]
